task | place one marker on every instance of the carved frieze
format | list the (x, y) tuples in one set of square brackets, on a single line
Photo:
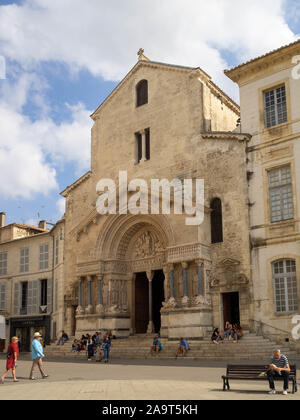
[(147, 245)]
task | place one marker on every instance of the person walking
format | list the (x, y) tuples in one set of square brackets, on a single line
[(37, 356), (12, 357)]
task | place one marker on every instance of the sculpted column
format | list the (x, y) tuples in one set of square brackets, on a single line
[(172, 301), (166, 291), (99, 308), (150, 329), (185, 298), (89, 309), (80, 310), (200, 270), (144, 147)]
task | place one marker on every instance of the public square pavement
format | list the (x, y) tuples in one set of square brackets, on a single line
[(131, 380)]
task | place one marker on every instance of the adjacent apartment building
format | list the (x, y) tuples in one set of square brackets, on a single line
[(270, 112), (31, 273)]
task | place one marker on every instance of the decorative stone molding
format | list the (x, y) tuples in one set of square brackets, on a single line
[(80, 310), (185, 301), (100, 309), (202, 301), (89, 310), (190, 252)]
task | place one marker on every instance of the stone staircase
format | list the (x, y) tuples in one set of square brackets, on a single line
[(251, 347)]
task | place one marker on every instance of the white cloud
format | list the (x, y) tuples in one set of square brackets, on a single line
[(61, 206), (32, 151), (103, 36)]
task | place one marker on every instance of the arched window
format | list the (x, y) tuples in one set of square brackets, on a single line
[(285, 286), (216, 221), (142, 93)]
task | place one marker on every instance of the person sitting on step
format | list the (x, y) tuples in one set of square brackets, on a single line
[(183, 347), (228, 331), (216, 337), (156, 346), (237, 332)]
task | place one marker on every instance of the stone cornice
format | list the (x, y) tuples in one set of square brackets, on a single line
[(67, 191), (245, 71), (225, 135)]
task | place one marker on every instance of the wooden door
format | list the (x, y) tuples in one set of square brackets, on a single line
[(141, 303)]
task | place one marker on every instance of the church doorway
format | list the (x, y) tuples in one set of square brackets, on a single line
[(142, 301), (158, 298), (231, 308)]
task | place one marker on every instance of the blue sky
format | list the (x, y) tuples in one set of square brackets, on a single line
[(63, 57)]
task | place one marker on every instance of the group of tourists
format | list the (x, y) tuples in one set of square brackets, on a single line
[(279, 367), (231, 332), (183, 346), (94, 345), (37, 354)]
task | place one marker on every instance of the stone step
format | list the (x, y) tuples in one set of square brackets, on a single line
[(251, 347)]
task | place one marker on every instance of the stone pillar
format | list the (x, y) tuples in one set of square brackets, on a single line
[(89, 309), (99, 308), (80, 310), (172, 282), (136, 151), (185, 298), (144, 145), (184, 273), (200, 272), (171, 302), (150, 329), (166, 274)]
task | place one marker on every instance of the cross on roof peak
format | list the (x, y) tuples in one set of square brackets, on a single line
[(141, 55)]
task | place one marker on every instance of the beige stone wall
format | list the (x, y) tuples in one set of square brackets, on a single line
[(270, 149), (181, 106), (58, 314)]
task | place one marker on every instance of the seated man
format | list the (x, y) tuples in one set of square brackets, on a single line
[(156, 346), (216, 337), (64, 337), (279, 367), (183, 347), (237, 332)]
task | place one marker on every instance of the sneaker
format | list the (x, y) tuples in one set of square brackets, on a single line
[(272, 392), (46, 376), (215, 342), (32, 379), (285, 392)]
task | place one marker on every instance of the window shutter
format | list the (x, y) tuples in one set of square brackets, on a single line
[(17, 296), (49, 295), (2, 297), (35, 294), (29, 298)]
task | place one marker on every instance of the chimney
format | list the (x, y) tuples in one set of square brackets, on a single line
[(2, 219), (43, 225)]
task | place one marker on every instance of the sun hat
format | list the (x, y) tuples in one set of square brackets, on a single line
[(37, 334)]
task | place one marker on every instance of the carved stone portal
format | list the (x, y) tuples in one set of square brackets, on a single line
[(147, 245)]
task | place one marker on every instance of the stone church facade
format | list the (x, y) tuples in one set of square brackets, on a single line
[(145, 273)]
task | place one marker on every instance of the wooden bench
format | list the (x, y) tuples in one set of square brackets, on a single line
[(253, 373)]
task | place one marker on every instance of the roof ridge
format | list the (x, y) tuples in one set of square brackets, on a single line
[(261, 56)]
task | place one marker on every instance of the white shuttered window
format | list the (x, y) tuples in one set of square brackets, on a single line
[(285, 286), (281, 194)]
